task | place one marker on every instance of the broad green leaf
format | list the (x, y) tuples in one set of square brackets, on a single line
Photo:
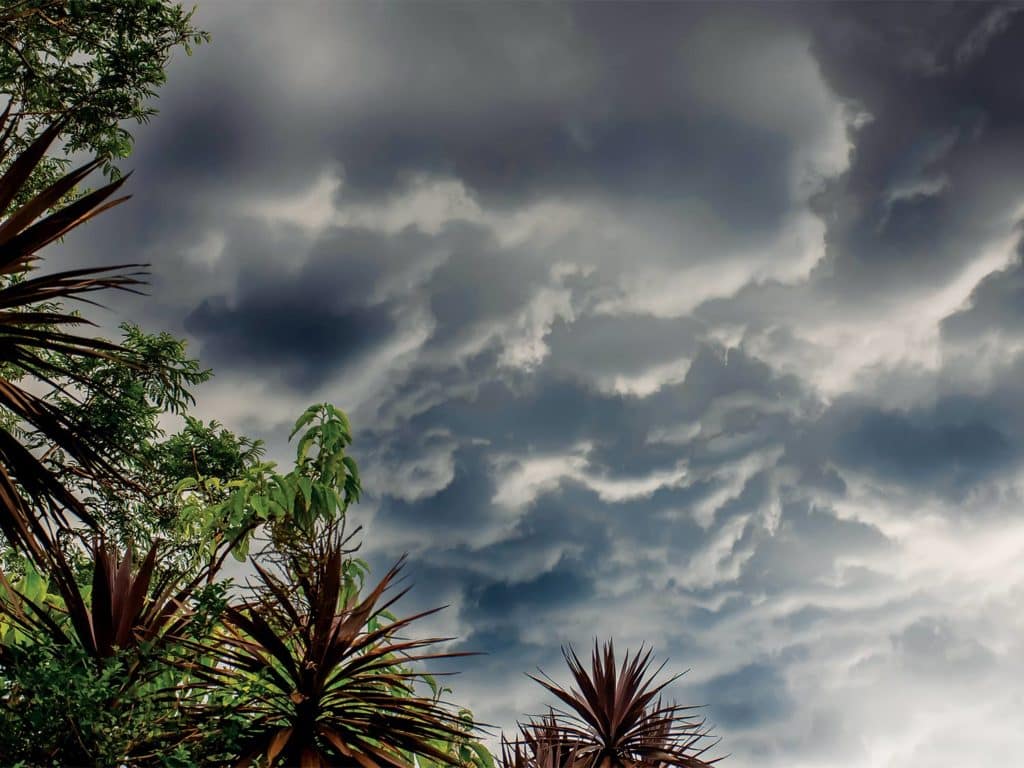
[(483, 754), (307, 416)]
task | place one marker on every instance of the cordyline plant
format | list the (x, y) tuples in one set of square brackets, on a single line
[(537, 746), (38, 340), (121, 612), (324, 678), (111, 647), (616, 719)]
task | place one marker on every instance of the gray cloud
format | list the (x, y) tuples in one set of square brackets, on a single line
[(995, 307), (695, 325), (927, 183), (938, 647), (276, 333), (748, 697)]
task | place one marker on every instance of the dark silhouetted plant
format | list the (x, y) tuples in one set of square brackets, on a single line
[(615, 719), (539, 746)]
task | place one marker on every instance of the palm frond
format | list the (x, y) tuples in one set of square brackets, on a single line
[(542, 744), (42, 344), (333, 683)]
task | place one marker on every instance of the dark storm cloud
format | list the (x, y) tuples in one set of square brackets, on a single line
[(560, 587), (269, 331), (739, 170), (564, 118), (477, 283), (572, 517), (308, 315), (569, 518), (533, 414), (314, 306), (948, 448), (582, 489), (921, 451), (467, 494), (714, 375), (548, 410), (569, 515), (929, 180), (543, 101)]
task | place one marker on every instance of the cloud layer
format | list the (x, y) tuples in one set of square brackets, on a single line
[(694, 325)]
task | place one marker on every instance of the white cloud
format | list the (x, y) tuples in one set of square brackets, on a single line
[(852, 349), (675, 289), (648, 381), (719, 560), (520, 480), (523, 339), (426, 202)]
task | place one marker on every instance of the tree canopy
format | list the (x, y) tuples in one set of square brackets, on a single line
[(94, 64)]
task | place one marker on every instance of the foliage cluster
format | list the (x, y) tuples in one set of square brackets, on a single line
[(94, 63), (109, 660)]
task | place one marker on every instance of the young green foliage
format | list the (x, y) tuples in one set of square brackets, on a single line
[(318, 490)]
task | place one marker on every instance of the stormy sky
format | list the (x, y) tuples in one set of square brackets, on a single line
[(693, 325)]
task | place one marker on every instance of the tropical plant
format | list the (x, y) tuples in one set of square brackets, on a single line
[(537, 747), (119, 613), (127, 413), (615, 719), (317, 491), (37, 339), (327, 679), (90, 672), (59, 709)]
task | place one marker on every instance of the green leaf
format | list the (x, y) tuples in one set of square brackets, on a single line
[(306, 442), (238, 500), (306, 486), (260, 506), (241, 550), (483, 754), (307, 416)]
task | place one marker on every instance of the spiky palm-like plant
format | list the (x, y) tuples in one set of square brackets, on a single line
[(540, 746), (615, 719), (120, 613), (95, 671), (329, 681), (39, 341)]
